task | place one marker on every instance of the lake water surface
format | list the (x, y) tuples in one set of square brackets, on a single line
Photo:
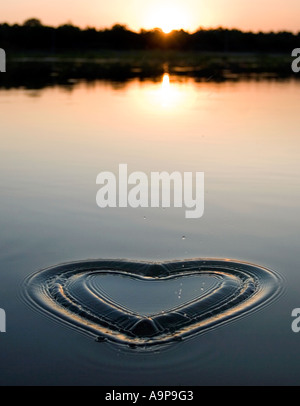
[(244, 136)]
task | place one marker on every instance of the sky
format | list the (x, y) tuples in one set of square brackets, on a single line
[(254, 15)]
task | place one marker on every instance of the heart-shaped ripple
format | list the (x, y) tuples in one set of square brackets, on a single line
[(146, 297), (146, 304)]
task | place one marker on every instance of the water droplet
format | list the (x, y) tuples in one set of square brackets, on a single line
[(183, 237)]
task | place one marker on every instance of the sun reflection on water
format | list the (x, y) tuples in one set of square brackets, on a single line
[(168, 95)]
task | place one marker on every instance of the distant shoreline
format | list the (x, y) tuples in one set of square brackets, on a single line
[(34, 70), (34, 35), (155, 62)]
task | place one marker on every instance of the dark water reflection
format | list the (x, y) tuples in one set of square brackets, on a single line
[(36, 72)]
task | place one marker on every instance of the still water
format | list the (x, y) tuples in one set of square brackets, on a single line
[(55, 141)]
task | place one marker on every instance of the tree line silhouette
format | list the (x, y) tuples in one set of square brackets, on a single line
[(32, 35)]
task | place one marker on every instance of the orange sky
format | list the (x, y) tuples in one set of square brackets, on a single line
[(254, 15)]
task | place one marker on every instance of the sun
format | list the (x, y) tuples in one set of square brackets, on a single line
[(168, 17)]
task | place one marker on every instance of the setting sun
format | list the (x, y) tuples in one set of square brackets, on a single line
[(168, 17)]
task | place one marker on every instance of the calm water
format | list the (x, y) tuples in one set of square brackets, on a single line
[(54, 142)]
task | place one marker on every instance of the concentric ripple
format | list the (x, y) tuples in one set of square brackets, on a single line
[(144, 304)]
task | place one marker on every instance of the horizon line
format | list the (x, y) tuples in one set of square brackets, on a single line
[(128, 28)]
